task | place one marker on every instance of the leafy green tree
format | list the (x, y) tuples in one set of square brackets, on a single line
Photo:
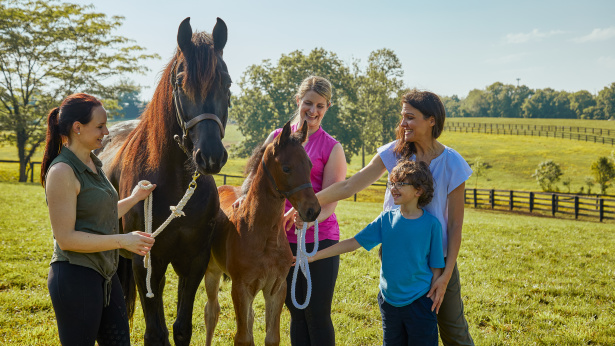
[(267, 99), (603, 171), (606, 101), (476, 104), (590, 182), (580, 101), (452, 105), (547, 174), (379, 91), (48, 50), (548, 103)]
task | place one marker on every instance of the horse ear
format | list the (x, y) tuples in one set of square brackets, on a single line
[(220, 35), (285, 134), (184, 36), (303, 130)]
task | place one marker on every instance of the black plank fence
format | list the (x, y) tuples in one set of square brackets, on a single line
[(557, 204), (587, 134)]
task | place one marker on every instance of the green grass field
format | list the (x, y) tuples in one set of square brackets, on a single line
[(526, 280)]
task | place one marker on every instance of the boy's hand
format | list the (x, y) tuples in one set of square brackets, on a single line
[(436, 293)]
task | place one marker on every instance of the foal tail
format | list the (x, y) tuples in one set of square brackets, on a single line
[(124, 272)]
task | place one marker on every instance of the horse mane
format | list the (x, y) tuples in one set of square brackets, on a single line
[(142, 152)]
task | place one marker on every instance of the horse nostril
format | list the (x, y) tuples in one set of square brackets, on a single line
[(310, 214)]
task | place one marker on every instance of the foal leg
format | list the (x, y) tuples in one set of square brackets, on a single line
[(242, 302), (274, 302), (212, 308), (190, 272), (156, 332)]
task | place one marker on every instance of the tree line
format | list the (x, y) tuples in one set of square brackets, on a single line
[(500, 100), (366, 100)]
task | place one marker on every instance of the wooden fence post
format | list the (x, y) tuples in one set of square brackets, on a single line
[(511, 200), (224, 175), (553, 204), (531, 202), (601, 209), (576, 207), (475, 201), (492, 198)]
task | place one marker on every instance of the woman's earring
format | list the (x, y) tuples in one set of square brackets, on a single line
[(78, 133)]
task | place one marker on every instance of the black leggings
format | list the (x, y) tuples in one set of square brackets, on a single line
[(78, 301), (313, 325)]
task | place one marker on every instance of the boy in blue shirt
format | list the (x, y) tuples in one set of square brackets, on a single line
[(412, 258)]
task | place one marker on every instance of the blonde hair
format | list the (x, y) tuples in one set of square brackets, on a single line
[(319, 85)]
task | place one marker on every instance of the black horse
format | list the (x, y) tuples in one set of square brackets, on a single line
[(190, 107)]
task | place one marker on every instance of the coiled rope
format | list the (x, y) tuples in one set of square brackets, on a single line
[(176, 211), (301, 263)]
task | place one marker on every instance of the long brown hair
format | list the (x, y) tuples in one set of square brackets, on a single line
[(76, 107), (430, 105)]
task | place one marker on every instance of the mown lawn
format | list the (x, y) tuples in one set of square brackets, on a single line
[(526, 280)]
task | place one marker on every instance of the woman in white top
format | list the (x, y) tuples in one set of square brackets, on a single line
[(422, 123)]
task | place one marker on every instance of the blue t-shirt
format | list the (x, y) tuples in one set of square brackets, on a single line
[(410, 247), (449, 170)]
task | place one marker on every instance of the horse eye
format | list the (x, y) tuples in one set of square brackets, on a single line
[(286, 169)]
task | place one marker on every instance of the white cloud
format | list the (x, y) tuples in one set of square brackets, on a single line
[(534, 35), (507, 59), (607, 61), (598, 35)]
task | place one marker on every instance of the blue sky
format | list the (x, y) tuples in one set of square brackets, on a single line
[(448, 47)]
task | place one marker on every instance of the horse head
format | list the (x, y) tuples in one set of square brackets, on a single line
[(201, 94), (288, 167)]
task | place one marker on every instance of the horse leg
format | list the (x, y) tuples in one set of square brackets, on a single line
[(156, 332), (190, 274), (212, 308), (243, 296), (274, 302)]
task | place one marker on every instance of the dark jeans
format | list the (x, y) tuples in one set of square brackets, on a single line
[(313, 325), (413, 324), (78, 300)]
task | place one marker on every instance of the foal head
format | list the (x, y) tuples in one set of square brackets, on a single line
[(290, 169)]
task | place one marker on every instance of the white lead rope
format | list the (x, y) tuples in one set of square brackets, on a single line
[(301, 262), (175, 212)]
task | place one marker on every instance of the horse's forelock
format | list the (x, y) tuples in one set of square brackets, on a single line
[(200, 66)]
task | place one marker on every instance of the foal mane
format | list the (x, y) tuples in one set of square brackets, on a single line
[(144, 149)]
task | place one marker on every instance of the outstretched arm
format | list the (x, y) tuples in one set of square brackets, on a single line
[(358, 182), (344, 246), (346, 188)]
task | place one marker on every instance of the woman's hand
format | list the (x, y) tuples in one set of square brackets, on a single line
[(137, 242), (139, 194), (289, 219), (238, 202), (437, 291)]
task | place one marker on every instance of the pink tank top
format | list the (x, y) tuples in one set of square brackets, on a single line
[(318, 148)]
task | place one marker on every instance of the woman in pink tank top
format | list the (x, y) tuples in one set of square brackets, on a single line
[(313, 325)]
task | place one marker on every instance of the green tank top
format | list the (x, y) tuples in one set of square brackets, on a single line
[(96, 214)]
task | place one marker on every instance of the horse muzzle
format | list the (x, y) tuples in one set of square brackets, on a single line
[(210, 162)]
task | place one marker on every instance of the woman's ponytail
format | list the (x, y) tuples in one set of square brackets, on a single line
[(53, 142)]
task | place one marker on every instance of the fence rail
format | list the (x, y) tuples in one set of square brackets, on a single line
[(586, 134), (557, 204)]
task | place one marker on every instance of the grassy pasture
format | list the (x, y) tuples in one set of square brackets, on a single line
[(526, 280)]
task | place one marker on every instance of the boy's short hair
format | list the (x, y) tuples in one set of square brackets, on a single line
[(417, 174)]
